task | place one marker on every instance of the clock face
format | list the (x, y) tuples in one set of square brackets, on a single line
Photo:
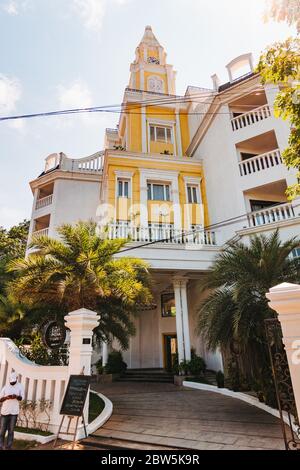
[(153, 60)]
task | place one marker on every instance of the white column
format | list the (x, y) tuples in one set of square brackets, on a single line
[(182, 319), (185, 320), (179, 326), (104, 353), (176, 204), (178, 134), (285, 300), (143, 200), (144, 131)]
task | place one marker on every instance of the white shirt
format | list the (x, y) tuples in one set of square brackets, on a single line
[(12, 406)]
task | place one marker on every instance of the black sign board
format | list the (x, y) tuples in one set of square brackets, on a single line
[(54, 335), (75, 395)]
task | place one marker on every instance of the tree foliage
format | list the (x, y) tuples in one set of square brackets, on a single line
[(12, 245), (80, 270), (280, 65), (284, 10), (241, 275)]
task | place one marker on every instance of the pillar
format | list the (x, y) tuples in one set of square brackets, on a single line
[(104, 353), (81, 323), (285, 300), (182, 319)]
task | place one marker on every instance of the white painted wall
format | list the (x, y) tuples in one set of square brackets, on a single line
[(73, 200)]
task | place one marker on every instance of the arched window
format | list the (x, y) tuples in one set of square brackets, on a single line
[(155, 84)]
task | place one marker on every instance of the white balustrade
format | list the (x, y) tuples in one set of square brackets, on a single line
[(251, 117), (92, 164), (41, 233), (260, 162), (44, 202), (271, 214), (162, 234)]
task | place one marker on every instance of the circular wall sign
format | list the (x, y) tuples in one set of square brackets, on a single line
[(54, 335)]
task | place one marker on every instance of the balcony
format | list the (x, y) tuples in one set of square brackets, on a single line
[(166, 235), (41, 233), (251, 117), (278, 213), (44, 202), (260, 163)]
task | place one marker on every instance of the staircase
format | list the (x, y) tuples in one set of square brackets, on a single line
[(147, 375)]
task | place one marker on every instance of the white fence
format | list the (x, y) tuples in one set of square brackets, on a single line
[(44, 386), (252, 117)]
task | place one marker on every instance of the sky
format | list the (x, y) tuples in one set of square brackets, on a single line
[(58, 54)]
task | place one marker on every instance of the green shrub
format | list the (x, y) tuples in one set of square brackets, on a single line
[(196, 366), (220, 379), (99, 367), (115, 363)]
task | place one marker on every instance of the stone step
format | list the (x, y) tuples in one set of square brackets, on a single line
[(146, 379), (110, 443)]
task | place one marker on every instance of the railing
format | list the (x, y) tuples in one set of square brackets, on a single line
[(271, 215), (260, 162), (91, 164), (43, 385), (44, 202), (41, 233), (160, 234), (252, 117)]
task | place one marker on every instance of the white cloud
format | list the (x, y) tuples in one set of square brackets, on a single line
[(15, 7), (92, 12), (10, 93), (77, 95)]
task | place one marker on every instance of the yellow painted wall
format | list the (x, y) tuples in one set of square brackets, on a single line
[(135, 130), (133, 166), (153, 52)]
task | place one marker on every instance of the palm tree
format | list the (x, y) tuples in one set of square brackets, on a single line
[(80, 270), (233, 313)]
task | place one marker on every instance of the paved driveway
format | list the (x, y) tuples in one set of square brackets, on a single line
[(167, 415)]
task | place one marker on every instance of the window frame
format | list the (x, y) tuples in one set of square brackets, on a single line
[(166, 129), (123, 181), (166, 190), (192, 194)]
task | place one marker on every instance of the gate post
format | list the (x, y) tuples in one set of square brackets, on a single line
[(81, 323), (285, 300)]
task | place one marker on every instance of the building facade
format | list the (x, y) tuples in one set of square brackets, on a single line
[(180, 176)]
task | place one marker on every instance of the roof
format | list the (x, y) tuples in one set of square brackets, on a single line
[(227, 85)]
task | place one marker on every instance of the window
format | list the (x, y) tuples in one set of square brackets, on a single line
[(295, 253), (192, 192), (161, 134), (168, 308), (123, 188), (158, 192)]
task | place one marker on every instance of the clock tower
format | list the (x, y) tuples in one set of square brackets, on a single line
[(150, 71)]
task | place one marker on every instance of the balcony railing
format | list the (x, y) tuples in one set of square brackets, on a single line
[(44, 202), (41, 233), (160, 234), (260, 162), (252, 117), (271, 215)]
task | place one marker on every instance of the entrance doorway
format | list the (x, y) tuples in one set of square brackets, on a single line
[(170, 350)]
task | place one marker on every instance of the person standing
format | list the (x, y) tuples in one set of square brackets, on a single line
[(10, 396)]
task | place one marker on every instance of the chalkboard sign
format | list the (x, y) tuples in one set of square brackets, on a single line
[(75, 396)]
